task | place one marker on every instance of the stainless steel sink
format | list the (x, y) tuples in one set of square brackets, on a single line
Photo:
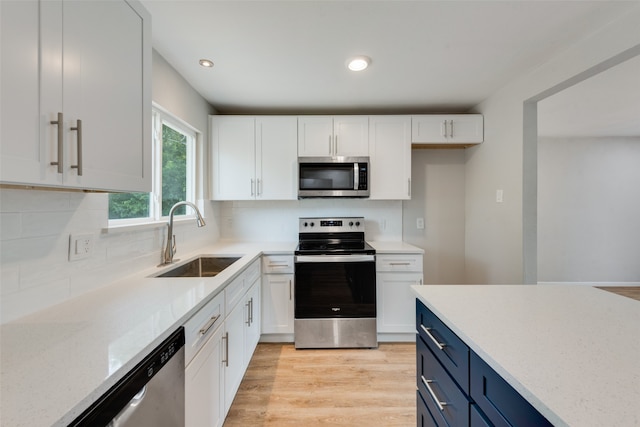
[(205, 266)]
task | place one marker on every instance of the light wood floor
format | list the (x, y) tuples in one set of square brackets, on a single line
[(627, 291), (288, 387), (356, 387)]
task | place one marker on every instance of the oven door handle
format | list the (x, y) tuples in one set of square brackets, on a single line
[(335, 258)]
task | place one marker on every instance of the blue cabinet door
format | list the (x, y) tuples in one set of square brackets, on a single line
[(500, 402)]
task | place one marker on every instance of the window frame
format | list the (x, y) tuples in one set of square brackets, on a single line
[(160, 118)]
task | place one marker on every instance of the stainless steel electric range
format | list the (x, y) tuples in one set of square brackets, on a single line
[(335, 285)]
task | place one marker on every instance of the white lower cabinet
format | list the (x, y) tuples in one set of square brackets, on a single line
[(204, 385), (204, 372), (219, 348), (277, 296), (395, 300), (234, 354), (252, 321)]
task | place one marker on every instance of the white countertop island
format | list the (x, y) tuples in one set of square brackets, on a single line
[(572, 351)]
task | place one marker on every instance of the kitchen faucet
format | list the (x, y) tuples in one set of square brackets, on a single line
[(170, 249)]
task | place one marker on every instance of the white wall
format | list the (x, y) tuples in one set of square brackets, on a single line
[(588, 210), (35, 227), (494, 231), (438, 196)]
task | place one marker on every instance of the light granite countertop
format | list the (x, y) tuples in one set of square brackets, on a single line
[(58, 361), (572, 351)]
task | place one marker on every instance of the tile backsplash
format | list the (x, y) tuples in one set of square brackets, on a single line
[(34, 246), (35, 226)]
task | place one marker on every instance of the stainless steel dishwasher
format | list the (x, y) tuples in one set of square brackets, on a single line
[(151, 394)]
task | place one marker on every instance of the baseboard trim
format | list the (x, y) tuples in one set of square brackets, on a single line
[(600, 284)]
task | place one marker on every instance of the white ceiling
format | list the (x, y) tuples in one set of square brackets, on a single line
[(427, 56)]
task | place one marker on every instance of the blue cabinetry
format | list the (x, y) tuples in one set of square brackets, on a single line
[(457, 388)]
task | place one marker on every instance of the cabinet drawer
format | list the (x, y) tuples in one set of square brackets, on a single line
[(501, 403), (204, 323), (436, 385), (233, 292), (424, 417), (273, 264), (453, 354), (251, 273), (477, 418), (404, 262)]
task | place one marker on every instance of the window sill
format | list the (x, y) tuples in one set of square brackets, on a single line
[(124, 228)]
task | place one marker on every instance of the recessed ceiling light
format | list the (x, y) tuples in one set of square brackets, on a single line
[(358, 63), (206, 63)]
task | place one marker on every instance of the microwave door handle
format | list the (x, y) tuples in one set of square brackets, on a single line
[(356, 176)]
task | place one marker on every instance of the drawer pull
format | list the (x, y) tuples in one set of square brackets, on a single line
[(226, 350), (400, 263), (427, 383), (427, 331), (209, 324), (279, 265)]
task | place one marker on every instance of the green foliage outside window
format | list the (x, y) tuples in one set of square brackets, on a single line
[(174, 170), (174, 182)]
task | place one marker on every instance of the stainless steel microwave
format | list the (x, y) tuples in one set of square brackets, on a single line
[(333, 177)]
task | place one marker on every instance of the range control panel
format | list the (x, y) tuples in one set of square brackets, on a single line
[(331, 225)]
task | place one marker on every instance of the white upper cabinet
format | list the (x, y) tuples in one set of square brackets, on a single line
[(390, 156), (233, 157), (23, 158), (447, 129), (276, 157), (253, 157), (322, 136), (76, 95)]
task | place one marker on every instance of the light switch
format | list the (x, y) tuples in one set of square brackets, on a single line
[(499, 195)]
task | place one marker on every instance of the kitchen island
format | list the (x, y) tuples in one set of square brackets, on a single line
[(571, 351)]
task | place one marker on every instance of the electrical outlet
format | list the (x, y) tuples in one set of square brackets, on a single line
[(80, 246), (499, 195), (420, 223)]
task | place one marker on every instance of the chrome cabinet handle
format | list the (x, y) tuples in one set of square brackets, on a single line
[(249, 305), (290, 293), (443, 128), (400, 263), (330, 146), (252, 187), (409, 187), (226, 350), (335, 144), (440, 345), (259, 187), (78, 128), (440, 404), (450, 128), (285, 265), (209, 324), (60, 136)]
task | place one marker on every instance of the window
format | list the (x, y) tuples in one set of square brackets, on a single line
[(173, 176)]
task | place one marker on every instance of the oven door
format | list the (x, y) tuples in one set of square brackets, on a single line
[(335, 286)]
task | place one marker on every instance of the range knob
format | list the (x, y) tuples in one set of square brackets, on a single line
[(306, 224), (312, 224), (350, 223), (357, 223)]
